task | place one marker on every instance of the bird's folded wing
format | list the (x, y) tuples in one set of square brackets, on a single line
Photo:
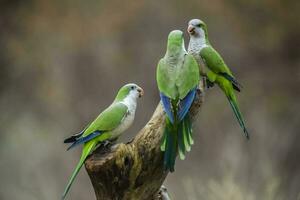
[(185, 104), (166, 101), (109, 119)]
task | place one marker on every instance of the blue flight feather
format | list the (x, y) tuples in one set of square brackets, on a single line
[(167, 106), (185, 104), (85, 139)]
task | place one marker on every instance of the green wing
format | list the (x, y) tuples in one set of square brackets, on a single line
[(217, 67), (214, 61), (109, 119), (188, 76), (166, 79)]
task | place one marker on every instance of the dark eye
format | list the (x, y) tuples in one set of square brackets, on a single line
[(198, 25), (132, 87)]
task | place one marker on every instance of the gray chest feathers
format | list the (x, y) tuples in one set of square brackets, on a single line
[(125, 124), (195, 47), (196, 54)]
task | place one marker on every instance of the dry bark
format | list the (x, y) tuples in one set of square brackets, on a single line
[(134, 170)]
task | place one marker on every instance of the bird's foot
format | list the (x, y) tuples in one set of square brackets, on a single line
[(106, 145), (209, 84)]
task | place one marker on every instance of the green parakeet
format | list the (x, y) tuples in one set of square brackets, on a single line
[(217, 71), (107, 126), (177, 78)]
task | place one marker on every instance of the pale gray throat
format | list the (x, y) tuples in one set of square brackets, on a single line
[(196, 44)]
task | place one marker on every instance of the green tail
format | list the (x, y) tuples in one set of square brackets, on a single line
[(169, 146), (176, 139), (185, 140), (88, 147), (237, 113)]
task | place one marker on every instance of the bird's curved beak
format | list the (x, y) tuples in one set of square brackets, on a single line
[(140, 91), (191, 29)]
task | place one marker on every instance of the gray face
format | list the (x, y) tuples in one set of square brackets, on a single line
[(134, 89), (195, 22), (195, 28)]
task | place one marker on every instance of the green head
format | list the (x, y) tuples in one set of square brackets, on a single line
[(130, 90), (175, 42), (197, 28)]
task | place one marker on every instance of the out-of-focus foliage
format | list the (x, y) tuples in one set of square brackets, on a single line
[(62, 62)]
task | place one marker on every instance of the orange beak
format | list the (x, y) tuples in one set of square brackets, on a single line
[(191, 29), (140, 91)]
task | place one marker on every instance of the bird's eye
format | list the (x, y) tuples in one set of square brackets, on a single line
[(132, 87), (198, 25)]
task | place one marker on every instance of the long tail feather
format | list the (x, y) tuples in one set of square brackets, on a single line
[(238, 115), (170, 146), (163, 144), (188, 125), (174, 148), (166, 149), (181, 144), (186, 137), (188, 130), (85, 152)]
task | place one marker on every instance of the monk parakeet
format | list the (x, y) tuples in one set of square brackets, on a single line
[(107, 126), (217, 71), (177, 78)]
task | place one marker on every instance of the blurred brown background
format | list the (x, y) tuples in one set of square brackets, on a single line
[(63, 61)]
